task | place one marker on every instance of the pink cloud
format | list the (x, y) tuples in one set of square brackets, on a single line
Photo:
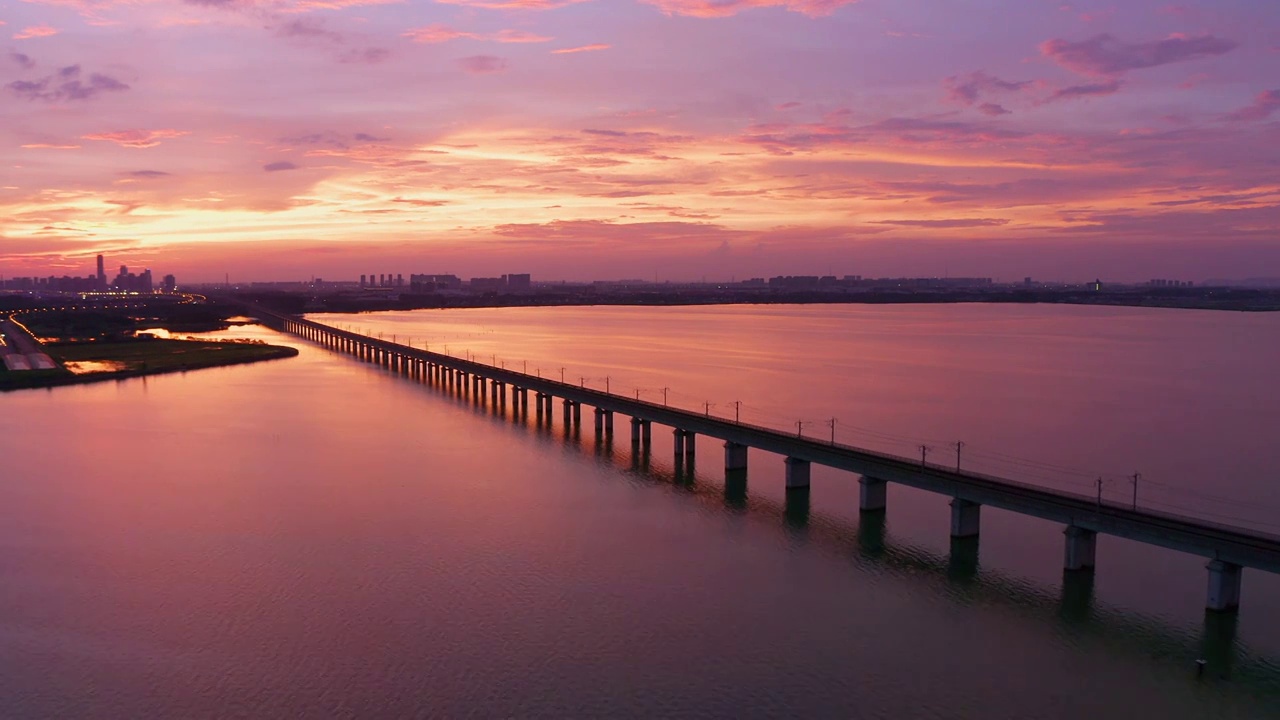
[(947, 223), (518, 36), (35, 31), (581, 49), (483, 64), (1262, 107), (437, 33), (137, 138), (1086, 90), (1105, 55), (971, 90), (728, 8), (513, 4)]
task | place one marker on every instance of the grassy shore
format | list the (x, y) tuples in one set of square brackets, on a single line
[(134, 358)]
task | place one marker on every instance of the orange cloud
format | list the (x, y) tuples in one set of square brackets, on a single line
[(513, 4), (35, 31), (728, 8), (137, 138), (437, 33), (583, 48), (48, 146)]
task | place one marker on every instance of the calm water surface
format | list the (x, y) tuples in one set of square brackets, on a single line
[(314, 537)]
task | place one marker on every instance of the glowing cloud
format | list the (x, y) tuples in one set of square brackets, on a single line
[(581, 49), (35, 31), (136, 138), (727, 8)]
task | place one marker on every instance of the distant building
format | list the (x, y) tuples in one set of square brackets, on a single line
[(129, 282), (169, 284), (522, 281), (488, 284), (432, 283)]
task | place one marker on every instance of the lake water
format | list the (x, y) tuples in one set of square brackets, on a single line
[(315, 537)]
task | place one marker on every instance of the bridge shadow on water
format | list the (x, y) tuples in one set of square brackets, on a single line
[(1070, 610)]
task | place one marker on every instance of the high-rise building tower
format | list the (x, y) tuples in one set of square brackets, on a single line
[(102, 274)]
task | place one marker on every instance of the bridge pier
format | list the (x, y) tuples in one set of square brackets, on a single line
[(735, 457), (678, 443), (797, 474), (965, 517), (604, 423), (1224, 586), (873, 494), (577, 415), (1081, 548), (540, 405)]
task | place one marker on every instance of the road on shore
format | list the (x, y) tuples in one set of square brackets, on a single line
[(20, 349)]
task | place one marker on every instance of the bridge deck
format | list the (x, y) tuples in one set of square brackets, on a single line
[(1239, 546)]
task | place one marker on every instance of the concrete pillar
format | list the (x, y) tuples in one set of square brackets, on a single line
[(568, 415), (599, 415), (797, 473), (1081, 548), (646, 433), (608, 423), (577, 414), (635, 430), (1224, 586), (735, 457), (540, 405), (965, 518), (872, 494), (690, 445), (677, 437)]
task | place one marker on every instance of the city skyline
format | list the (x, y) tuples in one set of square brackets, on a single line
[(265, 139)]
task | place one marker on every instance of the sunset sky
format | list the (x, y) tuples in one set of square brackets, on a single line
[(576, 139)]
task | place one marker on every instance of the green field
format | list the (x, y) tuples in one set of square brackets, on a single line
[(132, 358)]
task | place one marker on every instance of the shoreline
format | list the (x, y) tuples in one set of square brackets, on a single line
[(1226, 302), (64, 378)]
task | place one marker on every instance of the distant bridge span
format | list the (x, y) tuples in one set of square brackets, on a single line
[(1229, 549)]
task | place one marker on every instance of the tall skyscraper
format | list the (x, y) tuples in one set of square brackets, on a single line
[(102, 274)]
